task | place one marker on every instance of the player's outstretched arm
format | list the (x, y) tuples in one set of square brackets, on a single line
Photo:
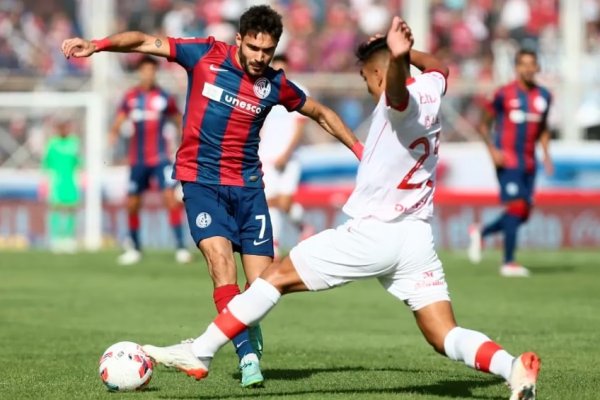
[(125, 42), (399, 41), (427, 62), (332, 123)]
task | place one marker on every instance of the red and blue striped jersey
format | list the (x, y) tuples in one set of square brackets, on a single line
[(520, 117), (224, 112), (149, 111)]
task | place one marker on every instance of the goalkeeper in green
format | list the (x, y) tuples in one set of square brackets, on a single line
[(61, 162)]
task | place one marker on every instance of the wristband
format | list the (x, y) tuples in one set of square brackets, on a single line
[(102, 44), (357, 148)]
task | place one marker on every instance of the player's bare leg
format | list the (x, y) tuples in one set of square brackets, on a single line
[(175, 210), (476, 350), (132, 254), (218, 252)]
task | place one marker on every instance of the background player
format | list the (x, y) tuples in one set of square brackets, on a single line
[(148, 106), (519, 111), (280, 136), (231, 90), (389, 235), (61, 161)]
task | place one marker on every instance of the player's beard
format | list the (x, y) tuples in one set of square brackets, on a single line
[(250, 70)]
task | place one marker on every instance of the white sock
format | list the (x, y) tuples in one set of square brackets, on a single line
[(248, 308), (464, 345), (296, 213)]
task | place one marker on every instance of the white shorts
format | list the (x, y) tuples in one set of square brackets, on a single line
[(400, 254), (281, 182)]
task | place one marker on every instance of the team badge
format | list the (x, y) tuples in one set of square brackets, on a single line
[(262, 88), (203, 220), (158, 103), (540, 104)]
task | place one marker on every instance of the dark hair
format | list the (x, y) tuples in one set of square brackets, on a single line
[(525, 52), (261, 19), (147, 60), (366, 49), (280, 58)]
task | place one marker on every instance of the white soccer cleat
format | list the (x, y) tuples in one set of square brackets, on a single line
[(523, 376), (179, 356), (130, 257), (183, 256), (474, 251), (513, 270)]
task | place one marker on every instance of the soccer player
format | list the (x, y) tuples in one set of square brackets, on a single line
[(280, 136), (61, 161), (231, 89), (388, 237), (519, 111), (148, 106)]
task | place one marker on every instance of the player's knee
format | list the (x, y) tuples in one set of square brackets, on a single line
[(133, 204), (519, 208)]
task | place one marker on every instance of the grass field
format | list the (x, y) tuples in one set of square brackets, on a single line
[(59, 313)]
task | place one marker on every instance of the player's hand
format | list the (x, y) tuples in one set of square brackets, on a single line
[(77, 47), (497, 157), (280, 163), (548, 167), (399, 38)]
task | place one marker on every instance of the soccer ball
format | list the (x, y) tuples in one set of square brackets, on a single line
[(124, 366)]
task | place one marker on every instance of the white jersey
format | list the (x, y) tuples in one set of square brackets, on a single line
[(278, 131), (397, 173)]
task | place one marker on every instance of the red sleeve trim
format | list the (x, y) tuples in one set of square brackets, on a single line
[(398, 107), (172, 48), (445, 75)]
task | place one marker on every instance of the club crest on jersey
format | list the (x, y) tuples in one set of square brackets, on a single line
[(262, 88), (203, 220)]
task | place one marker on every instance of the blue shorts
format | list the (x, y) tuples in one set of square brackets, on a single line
[(140, 175), (237, 213), (515, 184)]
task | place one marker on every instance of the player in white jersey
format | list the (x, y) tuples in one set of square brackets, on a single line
[(279, 137), (389, 235)]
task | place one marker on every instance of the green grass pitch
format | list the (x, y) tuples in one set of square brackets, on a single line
[(59, 313)]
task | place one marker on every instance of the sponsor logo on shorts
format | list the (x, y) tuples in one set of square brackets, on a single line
[(203, 220), (512, 189), (428, 280), (259, 242)]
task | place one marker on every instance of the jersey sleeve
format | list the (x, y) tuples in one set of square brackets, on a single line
[(124, 106), (290, 95), (496, 106), (187, 52), (439, 80), (544, 122), (172, 108)]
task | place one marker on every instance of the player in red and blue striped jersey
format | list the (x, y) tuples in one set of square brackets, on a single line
[(149, 107), (231, 90), (519, 112)]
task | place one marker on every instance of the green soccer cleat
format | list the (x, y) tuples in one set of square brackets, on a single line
[(256, 340), (250, 369)]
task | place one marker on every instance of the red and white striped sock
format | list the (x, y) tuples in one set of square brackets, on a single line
[(478, 351), (245, 309)]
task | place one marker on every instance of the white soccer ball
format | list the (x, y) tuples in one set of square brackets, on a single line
[(124, 366)]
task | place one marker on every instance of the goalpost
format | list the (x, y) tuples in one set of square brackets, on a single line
[(94, 135)]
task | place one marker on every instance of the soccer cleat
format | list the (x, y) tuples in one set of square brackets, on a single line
[(256, 340), (130, 257), (474, 251), (250, 369), (523, 376), (179, 356), (183, 256), (513, 270)]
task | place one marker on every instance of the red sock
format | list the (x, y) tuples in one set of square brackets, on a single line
[(483, 357), (223, 295), (175, 216), (134, 221)]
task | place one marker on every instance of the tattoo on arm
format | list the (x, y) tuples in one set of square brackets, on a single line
[(158, 42)]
